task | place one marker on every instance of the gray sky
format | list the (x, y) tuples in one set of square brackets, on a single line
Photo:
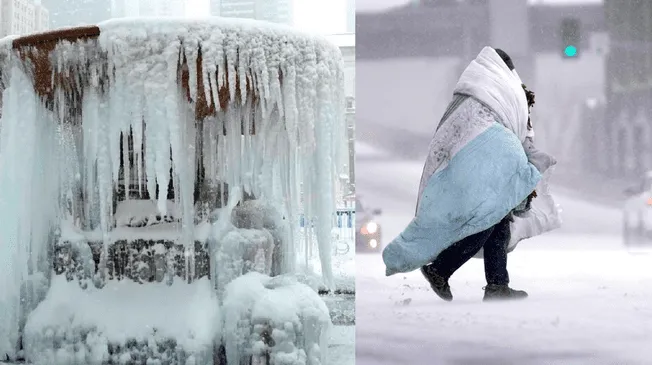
[(320, 16), (376, 5)]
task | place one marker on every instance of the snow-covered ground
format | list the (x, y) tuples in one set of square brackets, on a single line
[(341, 304), (589, 297), (341, 347), (343, 264)]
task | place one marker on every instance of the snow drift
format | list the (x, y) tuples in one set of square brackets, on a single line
[(274, 318)]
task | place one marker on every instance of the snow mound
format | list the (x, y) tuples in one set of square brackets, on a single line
[(277, 318), (124, 323), (241, 251)]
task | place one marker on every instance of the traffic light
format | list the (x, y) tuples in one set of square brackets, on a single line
[(570, 37)]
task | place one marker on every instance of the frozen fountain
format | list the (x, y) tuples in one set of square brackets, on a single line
[(152, 174)]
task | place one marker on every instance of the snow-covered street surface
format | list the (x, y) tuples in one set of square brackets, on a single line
[(341, 306), (342, 346), (589, 297)]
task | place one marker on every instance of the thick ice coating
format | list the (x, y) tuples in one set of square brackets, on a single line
[(276, 119)]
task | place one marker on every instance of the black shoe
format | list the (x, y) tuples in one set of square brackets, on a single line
[(438, 283), (502, 292)]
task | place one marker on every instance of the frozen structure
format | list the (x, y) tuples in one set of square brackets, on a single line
[(147, 165)]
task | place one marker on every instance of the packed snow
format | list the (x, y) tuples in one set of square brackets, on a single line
[(155, 232), (88, 322), (274, 138), (139, 213), (588, 303)]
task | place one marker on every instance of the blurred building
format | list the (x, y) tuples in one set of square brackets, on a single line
[(66, 13), (124, 8), (350, 16), (447, 28), (346, 43), (620, 144), (276, 11), (173, 8), (421, 48), (18, 17)]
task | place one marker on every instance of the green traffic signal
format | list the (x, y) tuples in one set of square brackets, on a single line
[(570, 51), (570, 37)]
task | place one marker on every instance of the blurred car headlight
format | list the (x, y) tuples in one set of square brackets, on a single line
[(370, 228)]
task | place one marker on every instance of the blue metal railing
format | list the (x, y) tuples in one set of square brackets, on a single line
[(343, 223)]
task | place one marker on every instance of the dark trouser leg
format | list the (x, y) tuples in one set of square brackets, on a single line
[(459, 253), (495, 254)]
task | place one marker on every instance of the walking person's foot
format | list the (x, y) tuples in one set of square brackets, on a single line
[(438, 283), (493, 292)]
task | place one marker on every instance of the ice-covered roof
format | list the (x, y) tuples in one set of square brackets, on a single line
[(238, 56)]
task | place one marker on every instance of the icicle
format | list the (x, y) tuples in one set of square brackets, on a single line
[(126, 165), (231, 44), (162, 159), (290, 102), (208, 70), (247, 152), (28, 203), (114, 133), (150, 152), (104, 168), (209, 151), (220, 76), (234, 138), (118, 118), (137, 130), (243, 62), (191, 51), (182, 148)]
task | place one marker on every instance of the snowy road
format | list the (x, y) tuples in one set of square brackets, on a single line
[(590, 300)]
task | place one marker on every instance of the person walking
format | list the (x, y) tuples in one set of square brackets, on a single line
[(478, 176)]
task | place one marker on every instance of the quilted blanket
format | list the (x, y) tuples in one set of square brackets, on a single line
[(477, 170)]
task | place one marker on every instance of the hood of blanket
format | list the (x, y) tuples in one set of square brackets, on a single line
[(488, 79)]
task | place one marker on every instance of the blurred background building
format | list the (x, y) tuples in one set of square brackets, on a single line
[(64, 13), (346, 43), (165, 8), (18, 17), (589, 62), (350, 16), (621, 141), (170, 8), (276, 11)]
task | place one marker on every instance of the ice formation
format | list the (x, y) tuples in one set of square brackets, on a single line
[(275, 132), (243, 251), (275, 318), (28, 204)]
